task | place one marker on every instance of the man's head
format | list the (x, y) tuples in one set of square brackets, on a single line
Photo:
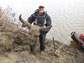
[(41, 9)]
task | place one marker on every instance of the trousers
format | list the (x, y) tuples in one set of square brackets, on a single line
[(42, 38)]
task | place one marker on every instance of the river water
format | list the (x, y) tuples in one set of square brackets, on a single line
[(67, 15)]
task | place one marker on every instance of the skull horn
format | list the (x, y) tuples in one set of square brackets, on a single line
[(24, 22)]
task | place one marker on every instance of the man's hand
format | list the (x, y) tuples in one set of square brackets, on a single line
[(23, 25), (42, 31)]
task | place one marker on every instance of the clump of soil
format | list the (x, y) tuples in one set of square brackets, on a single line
[(14, 47)]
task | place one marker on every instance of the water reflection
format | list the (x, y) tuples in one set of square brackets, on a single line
[(67, 15)]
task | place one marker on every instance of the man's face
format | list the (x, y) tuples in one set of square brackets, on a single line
[(41, 10)]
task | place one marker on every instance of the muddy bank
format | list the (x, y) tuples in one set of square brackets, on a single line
[(14, 47)]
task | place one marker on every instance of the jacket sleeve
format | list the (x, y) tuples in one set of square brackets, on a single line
[(48, 22), (31, 19)]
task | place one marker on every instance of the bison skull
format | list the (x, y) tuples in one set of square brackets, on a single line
[(34, 29)]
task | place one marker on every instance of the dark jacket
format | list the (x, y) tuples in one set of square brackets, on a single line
[(41, 20)]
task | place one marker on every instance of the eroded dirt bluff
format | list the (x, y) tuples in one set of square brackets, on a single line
[(14, 47)]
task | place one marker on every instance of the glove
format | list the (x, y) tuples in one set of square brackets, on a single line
[(43, 31), (23, 25)]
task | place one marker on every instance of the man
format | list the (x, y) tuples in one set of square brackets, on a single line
[(40, 18)]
